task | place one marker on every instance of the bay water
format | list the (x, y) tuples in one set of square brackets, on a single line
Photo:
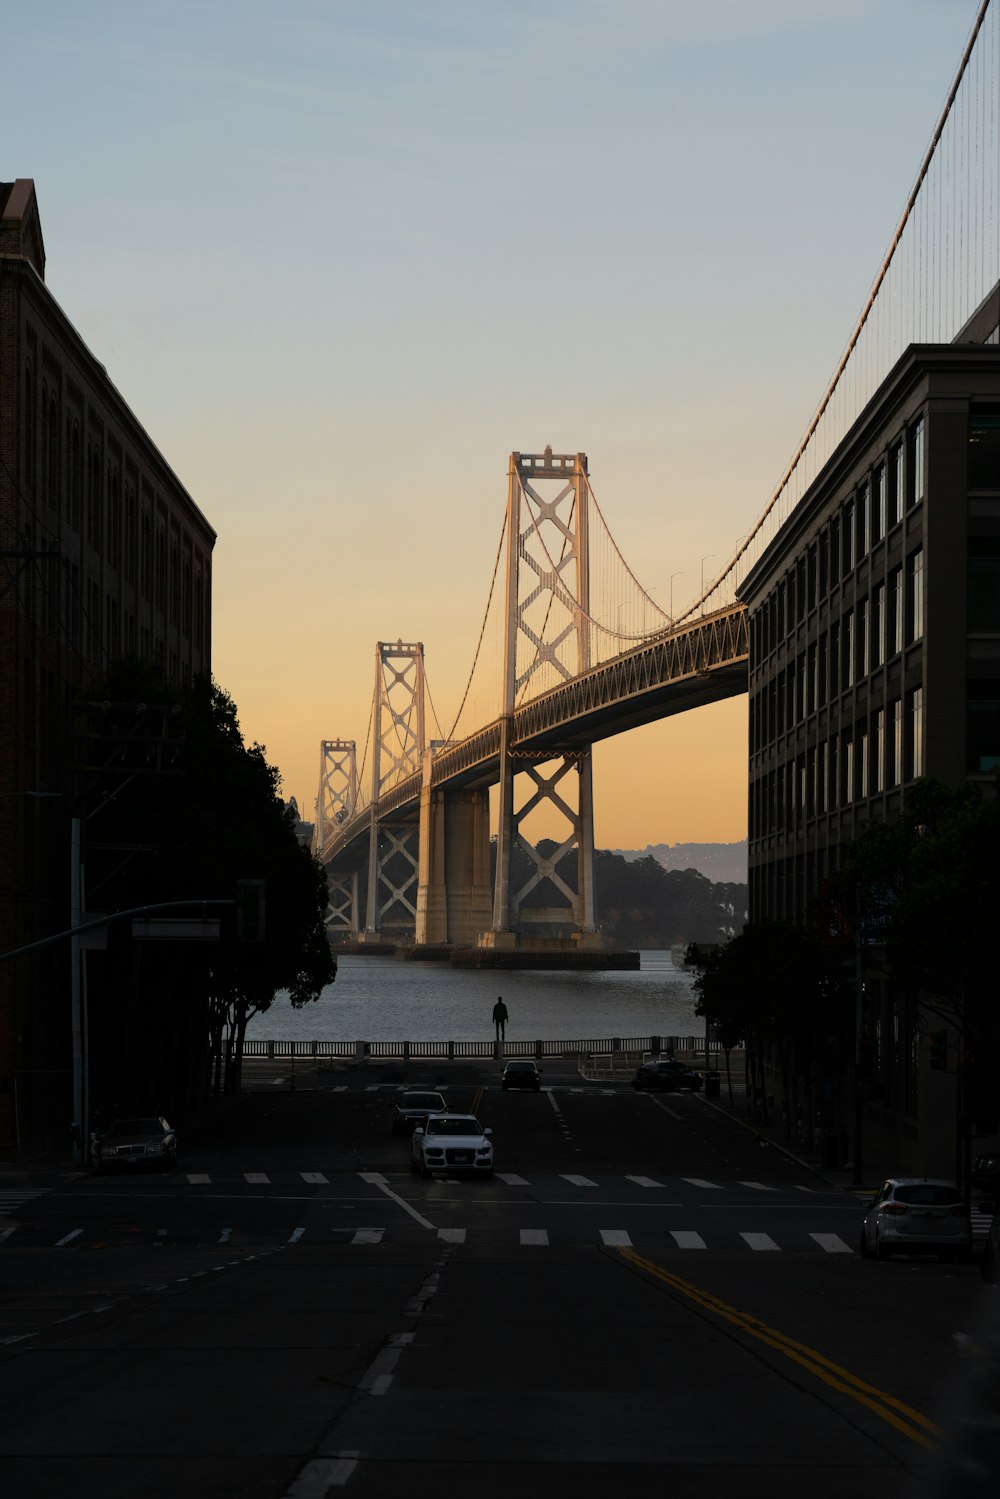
[(392, 999)]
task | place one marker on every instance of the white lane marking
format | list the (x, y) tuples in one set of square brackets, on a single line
[(376, 1179), (696, 1181), (198, 1178), (642, 1181), (74, 1234), (372, 1087), (340, 1088), (256, 1178), (685, 1238), (661, 1105), (276, 1080), (615, 1238), (315, 1177), (452, 1235), (760, 1241), (511, 1178), (832, 1243), (225, 1236), (577, 1181), (19, 1337), (534, 1236), (295, 1236), (368, 1236), (321, 1474), (5, 1233), (757, 1186)]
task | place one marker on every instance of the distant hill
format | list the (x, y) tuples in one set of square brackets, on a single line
[(724, 863)]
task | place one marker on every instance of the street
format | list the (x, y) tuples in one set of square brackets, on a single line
[(641, 1287)]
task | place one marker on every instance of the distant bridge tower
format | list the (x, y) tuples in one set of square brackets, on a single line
[(337, 800), (546, 642), (398, 744)]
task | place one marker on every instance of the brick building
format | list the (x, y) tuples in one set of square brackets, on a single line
[(103, 555), (875, 660)]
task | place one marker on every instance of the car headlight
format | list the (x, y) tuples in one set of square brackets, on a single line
[(434, 1150), (485, 1150)]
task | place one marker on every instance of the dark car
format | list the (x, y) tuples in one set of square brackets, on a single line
[(521, 1075), (667, 1076), (414, 1107), (131, 1144)]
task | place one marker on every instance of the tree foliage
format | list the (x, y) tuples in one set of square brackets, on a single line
[(189, 831)]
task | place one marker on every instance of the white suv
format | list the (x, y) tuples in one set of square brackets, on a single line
[(452, 1143)]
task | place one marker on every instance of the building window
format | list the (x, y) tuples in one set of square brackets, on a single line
[(878, 751), (847, 537), (894, 616), (896, 479), (864, 641), (847, 650), (878, 626), (896, 742), (915, 602), (984, 583), (864, 522), (878, 504), (915, 467), (982, 725), (863, 763), (916, 755), (984, 449)]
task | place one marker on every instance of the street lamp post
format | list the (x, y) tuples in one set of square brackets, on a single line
[(707, 558), (679, 574)]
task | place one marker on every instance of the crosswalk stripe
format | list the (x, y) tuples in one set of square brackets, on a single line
[(511, 1178), (295, 1235), (534, 1236), (368, 1236), (642, 1181), (832, 1243), (256, 1178), (198, 1178), (615, 1238), (577, 1181), (315, 1178), (757, 1186), (75, 1234), (759, 1241), (225, 1236), (686, 1238), (696, 1181), (452, 1235)]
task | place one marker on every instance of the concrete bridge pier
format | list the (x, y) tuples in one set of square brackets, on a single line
[(453, 881)]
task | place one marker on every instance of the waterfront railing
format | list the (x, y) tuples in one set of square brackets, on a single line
[(682, 1047)]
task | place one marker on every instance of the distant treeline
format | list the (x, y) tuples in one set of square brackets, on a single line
[(639, 904)]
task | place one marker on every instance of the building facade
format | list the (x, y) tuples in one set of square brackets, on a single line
[(874, 629), (103, 556)]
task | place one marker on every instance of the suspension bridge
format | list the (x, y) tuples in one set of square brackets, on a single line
[(572, 648)]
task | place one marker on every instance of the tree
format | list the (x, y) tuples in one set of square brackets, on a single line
[(174, 1019), (776, 988), (933, 877)]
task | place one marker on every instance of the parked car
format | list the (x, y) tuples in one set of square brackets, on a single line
[(989, 1265), (452, 1143), (667, 1076), (917, 1215), (413, 1107), (521, 1075), (134, 1143)]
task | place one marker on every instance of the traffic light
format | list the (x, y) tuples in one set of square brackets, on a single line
[(250, 910), (939, 1051)]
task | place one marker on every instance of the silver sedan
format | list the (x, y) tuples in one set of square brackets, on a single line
[(917, 1215)]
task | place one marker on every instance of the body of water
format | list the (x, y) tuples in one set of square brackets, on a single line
[(389, 999)]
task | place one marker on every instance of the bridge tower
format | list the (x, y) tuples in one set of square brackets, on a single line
[(398, 744), (546, 642), (336, 802)]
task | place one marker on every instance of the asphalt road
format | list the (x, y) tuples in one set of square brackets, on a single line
[(642, 1293)]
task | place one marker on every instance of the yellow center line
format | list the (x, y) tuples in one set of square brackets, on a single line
[(887, 1407), (477, 1100)]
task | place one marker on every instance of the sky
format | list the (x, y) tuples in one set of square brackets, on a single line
[(342, 257)]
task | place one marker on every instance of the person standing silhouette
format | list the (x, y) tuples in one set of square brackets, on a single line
[(500, 1018)]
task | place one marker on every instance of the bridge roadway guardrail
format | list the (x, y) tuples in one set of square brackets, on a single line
[(614, 1048)]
